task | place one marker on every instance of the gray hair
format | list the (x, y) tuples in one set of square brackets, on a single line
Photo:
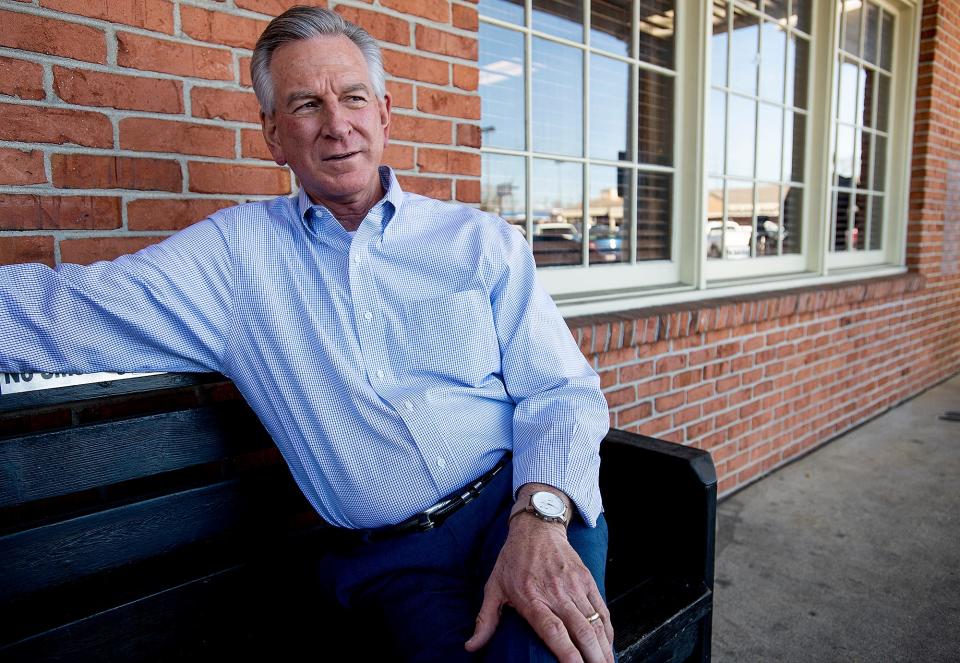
[(302, 22)]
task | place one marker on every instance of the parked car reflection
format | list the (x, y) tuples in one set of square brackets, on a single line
[(733, 243)]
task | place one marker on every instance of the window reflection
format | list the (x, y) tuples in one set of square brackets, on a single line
[(506, 10), (557, 98), (503, 188), (772, 61), (792, 218), (744, 49), (741, 129), (876, 223), (560, 18), (736, 232), (769, 142), (655, 118), (797, 63), (654, 200), (609, 227), (501, 87), (716, 131), (611, 25), (719, 44), (609, 108), (557, 199), (656, 31), (769, 227)]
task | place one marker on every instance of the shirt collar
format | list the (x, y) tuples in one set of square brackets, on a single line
[(387, 207)]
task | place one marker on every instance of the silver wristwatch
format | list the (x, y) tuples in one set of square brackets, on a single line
[(547, 506)]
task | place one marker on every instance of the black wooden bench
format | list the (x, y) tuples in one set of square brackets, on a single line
[(152, 519)]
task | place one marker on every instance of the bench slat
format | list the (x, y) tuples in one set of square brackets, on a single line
[(63, 462), (54, 554)]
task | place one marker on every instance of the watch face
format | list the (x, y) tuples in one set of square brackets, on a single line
[(548, 504)]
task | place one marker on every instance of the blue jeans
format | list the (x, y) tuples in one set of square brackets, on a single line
[(421, 592)]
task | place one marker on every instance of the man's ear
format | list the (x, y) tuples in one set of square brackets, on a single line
[(269, 128), (386, 104)]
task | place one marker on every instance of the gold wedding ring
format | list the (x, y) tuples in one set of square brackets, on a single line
[(594, 617)]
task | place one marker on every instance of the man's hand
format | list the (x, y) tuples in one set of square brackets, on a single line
[(540, 575)]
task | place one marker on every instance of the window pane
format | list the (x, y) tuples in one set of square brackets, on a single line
[(503, 187), (844, 156), (859, 229), (883, 102), (803, 10), (798, 59), (851, 28), (871, 35), (715, 204), (740, 142), (610, 25), (743, 52), (768, 219), (656, 32), (792, 219), (718, 45), (886, 41), (876, 223), (560, 18), (557, 98), (866, 100), (609, 108), (844, 236), (880, 164), (793, 146), (775, 9), (717, 129), (557, 199), (653, 215), (738, 230), (862, 164), (847, 95), (501, 87), (769, 142), (772, 54), (505, 10), (609, 228), (655, 118)]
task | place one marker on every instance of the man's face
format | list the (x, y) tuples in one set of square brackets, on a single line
[(328, 124)]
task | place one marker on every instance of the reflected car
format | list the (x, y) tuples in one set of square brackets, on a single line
[(735, 241), (555, 231), (608, 243)]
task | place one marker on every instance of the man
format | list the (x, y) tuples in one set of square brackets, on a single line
[(395, 347)]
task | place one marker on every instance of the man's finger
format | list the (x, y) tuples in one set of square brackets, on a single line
[(588, 636), (487, 619), (552, 630), (586, 608), (601, 607)]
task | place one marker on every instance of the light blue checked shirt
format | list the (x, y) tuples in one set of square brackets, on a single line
[(391, 367)]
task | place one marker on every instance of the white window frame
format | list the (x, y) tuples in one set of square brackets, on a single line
[(689, 276)]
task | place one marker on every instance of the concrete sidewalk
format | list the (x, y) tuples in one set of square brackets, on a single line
[(851, 553)]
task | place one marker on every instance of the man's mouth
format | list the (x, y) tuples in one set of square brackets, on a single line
[(340, 157)]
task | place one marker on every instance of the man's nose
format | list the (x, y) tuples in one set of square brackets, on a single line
[(335, 124)]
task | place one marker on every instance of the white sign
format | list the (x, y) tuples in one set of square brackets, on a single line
[(15, 383)]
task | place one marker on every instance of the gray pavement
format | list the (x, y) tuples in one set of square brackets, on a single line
[(851, 553)]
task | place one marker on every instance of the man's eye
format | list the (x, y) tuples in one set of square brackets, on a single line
[(356, 99), (306, 106)]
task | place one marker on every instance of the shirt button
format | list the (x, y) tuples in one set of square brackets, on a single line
[(379, 375), (368, 315), (408, 405), (356, 258), (441, 462)]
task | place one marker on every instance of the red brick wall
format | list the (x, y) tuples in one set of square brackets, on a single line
[(123, 121), (761, 379)]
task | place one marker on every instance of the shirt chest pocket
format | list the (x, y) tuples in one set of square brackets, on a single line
[(451, 337)]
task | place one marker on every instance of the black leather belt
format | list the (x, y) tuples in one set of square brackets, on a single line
[(428, 518)]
